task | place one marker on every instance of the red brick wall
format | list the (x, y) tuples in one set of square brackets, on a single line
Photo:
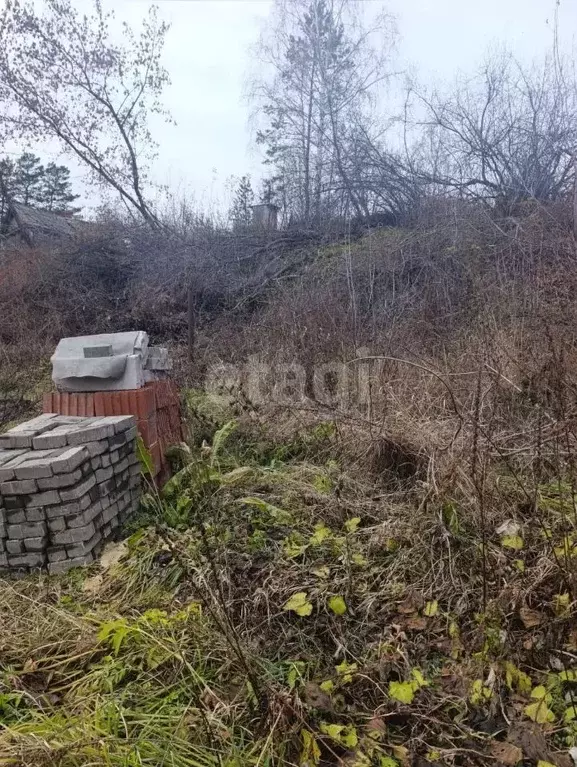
[(156, 408)]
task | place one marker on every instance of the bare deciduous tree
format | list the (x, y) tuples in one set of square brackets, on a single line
[(506, 135), (63, 77)]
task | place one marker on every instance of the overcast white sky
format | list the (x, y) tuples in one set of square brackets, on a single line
[(208, 55)]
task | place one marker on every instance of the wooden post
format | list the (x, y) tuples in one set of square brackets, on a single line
[(191, 324)]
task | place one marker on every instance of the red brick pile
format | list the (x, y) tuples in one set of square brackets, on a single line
[(156, 408)]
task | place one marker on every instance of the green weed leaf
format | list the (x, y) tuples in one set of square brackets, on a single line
[(299, 604), (351, 525), (514, 542), (539, 711), (311, 753), (346, 735), (401, 691), (220, 438), (321, 533), (338, 605), (145, 458), (346, 670)]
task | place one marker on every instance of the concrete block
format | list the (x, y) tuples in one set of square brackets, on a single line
[(14, 441), (131, 434), (85, 547), (87, 516), (103, 474), (76, 492), (94, 494), (16, 502), (22, 436), (92, 433), (15, 517), (121, 423), (8, 467), (97, 448), (96, 463), (68, 509), (77, 535), (56, 525), (35, 530), (9, 455), (36, 464), (46, 498), (70, 459), (117, 441), (56, 568), (52, 439), (110, 512), (135, 481), (18, 487), (122, 485), (57, 555), (114, 456), (35, 544), (14, 547), (60, 480), (105, 488), (126, 450), (105, 460), (31, 560), (38, 425), (122, 466), (35, 515)]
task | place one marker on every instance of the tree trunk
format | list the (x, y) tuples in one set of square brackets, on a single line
[(575, 198), (191, 324), (307, 157)]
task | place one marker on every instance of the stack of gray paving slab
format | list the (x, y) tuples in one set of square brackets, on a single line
[(66, 484)]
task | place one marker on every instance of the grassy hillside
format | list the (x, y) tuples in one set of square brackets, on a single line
[(325, 581), (283, 602)]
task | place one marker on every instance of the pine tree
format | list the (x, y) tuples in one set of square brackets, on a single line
[(315, 104), (27, 184), (56, 189), (270, 190), (241, 211)]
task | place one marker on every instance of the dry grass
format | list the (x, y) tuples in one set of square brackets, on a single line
[(430, 534), (455, 594)]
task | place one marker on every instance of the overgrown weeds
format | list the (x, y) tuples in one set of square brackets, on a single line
[(274, 608)]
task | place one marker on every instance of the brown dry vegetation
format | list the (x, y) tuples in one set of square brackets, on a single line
[(442, 512)]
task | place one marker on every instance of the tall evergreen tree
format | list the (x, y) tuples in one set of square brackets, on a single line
[(241, 211), (56, 189), (27, 183), (316, 103)]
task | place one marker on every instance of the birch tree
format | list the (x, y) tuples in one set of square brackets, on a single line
[(325, 71), (63, 77)]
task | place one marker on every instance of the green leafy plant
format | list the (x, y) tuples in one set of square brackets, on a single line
[(299, 604)]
